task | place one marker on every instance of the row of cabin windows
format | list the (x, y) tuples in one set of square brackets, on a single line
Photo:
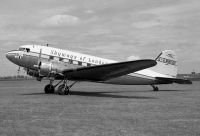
[(70, 61)]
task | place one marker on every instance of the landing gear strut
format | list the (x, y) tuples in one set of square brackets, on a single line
[(63, 89), (49, 89), (155, 88)]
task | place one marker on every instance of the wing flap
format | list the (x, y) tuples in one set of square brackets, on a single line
[(174, 80), (107, 71)]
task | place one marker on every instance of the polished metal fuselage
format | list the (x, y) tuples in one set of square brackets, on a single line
[(29, 60)]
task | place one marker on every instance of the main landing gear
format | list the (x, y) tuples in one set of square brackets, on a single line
[(63, 89), (155, 88), (49, 89)]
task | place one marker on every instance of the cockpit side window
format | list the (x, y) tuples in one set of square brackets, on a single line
[(21, 49), (27, 50), (24, 49)]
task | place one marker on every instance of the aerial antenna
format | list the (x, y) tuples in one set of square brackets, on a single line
[(47, 45)]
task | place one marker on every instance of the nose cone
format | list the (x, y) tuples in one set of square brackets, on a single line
[(15, 57), (9, 56)]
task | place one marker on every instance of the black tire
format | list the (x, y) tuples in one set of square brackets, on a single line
[(155, 88), (62, 90), (66, 91), (49, 89)]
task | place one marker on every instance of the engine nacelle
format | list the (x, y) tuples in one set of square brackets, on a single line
[(49, 67)]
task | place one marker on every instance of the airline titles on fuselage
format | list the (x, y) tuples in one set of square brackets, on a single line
[(77, 58)]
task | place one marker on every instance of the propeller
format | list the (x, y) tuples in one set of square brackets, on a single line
[(39, 61), (38, 66)]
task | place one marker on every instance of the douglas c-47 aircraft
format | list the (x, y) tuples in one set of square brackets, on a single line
[(57, 64)]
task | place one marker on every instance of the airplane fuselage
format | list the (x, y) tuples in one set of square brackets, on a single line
[(28, 56)]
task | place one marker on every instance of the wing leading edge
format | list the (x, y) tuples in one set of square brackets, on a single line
[(107, 71)]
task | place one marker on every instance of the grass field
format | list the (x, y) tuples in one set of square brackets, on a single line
[(98, 109)]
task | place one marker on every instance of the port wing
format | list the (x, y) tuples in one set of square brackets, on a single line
[(107, 71)]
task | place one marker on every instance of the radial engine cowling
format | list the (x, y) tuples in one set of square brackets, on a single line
[(49, 67)]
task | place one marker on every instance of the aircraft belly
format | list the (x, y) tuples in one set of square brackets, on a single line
[(131, 80)]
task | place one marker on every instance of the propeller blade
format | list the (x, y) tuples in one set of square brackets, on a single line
[(39, 61), (40, 53)]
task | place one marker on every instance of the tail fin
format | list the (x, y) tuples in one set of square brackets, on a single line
[(166, 63)]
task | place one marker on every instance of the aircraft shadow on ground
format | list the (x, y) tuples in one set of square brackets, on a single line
[(101, 94), (33, 94), (170, 90), (109, 95)]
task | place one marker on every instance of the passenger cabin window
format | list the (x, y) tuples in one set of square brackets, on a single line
[(56, 58), (84, 64), (60, 59), (70, 61), (79, 63), (65, 60), (88, 64), (75, 62), (51, 57)]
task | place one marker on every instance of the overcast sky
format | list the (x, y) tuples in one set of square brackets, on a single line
[(113, 29)]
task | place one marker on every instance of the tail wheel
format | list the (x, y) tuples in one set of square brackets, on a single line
[(49, 89), (155, 88), (63, 90)]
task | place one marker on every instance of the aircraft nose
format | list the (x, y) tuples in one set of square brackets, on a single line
[(14, 57), (9, 55)]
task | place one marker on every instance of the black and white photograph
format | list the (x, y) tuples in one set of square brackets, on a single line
[(99, 68)]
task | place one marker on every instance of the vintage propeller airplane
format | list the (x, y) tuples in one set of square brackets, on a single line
[(57, 64)]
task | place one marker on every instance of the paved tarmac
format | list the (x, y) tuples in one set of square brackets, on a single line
[(99, 110)]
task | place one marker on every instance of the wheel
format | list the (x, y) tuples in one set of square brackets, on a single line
[(62, 90), (66, 91), (155, 88), (49, 89)]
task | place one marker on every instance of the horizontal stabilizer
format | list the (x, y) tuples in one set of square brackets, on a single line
[(107, 71), (174, 80)]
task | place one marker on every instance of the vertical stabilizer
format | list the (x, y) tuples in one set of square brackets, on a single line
[(166, 63)]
